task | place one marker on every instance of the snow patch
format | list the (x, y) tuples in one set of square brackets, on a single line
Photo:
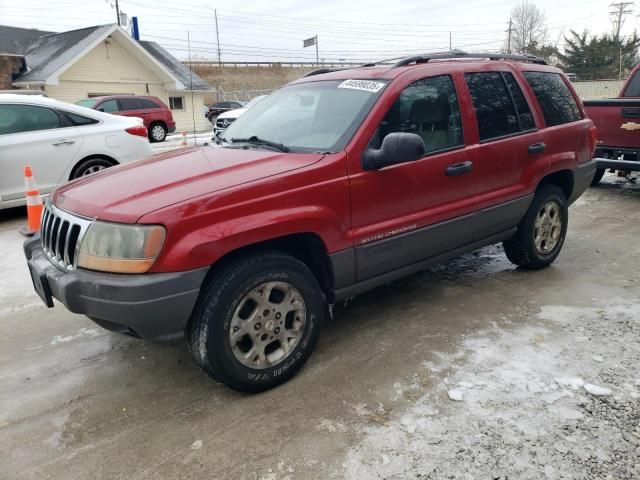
[(597, 390)]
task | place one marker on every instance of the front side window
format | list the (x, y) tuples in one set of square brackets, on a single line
[(309, 117), (495, 111), (428, 108), (556, 100), (109, 106), (27, 118)]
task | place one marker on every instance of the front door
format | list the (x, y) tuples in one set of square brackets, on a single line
[(36, 136), (407, 212)]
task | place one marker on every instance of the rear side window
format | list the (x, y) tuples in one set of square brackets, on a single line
[(522, 107), (79, 120), (27, 118), (556, 100), (130, 104), (146, 103), (495, 110)]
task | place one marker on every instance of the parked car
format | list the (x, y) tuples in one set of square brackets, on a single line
[(618, 122), (157, 117), (60, 141), (332, 185), (227, 118), (217, 108)]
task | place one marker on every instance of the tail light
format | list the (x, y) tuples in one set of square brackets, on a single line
[(140, 131), (593, 136)]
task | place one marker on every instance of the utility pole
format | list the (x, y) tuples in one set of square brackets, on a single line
[(620, 62), (215, 13), (450, 49), (118, 12), (317, 57), (619, 11), (509, 36)]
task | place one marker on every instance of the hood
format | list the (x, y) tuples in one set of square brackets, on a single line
[(127, 192), (233, 113)]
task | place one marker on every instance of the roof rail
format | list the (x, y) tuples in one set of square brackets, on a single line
[(426, 57), (320, 71)]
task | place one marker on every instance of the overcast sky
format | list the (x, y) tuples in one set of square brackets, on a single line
[(356, 30)]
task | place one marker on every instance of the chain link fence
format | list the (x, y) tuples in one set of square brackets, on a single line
[(241, 95), (594, 89)]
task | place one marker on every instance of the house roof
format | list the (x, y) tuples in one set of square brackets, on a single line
[(16, 41), (50, 54), (190, 80)]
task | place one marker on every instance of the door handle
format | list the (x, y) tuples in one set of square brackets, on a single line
[(459, 168), (63, 142), (537, 147)]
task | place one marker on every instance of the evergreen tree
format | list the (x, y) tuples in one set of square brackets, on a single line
[(592, 57)]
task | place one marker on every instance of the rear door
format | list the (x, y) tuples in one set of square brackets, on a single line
[(507, 145), (37, 136)]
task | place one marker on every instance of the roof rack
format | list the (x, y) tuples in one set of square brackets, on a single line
[(320, 71), (426, 57)]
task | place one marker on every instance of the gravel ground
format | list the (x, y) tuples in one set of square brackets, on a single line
[(471, 370)]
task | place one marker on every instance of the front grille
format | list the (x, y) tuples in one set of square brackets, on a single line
[(60, 234), (224, 122)]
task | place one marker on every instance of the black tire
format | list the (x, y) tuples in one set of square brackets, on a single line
[(226, 294), (90, 166), (521, 248), (598, 176), (157, 132)]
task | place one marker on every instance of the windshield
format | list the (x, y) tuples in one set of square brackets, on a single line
[(87, 102), (309, 117)]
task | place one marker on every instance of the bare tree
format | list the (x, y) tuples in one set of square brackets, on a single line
[(619, 12), (528, 27)]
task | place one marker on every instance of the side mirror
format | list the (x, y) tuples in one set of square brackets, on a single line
[(101, 109), (398, 147)]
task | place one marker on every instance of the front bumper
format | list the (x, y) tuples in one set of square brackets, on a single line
[(155, 306), (582, 177)]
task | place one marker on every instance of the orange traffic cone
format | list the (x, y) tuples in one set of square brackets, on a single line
[(34, 203)]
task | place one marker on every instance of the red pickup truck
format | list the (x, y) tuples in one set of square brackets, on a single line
[(618, 124), (332, 185)]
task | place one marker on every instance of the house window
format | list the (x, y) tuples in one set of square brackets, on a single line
[(176, 103)]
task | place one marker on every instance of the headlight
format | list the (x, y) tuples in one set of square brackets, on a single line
[(118, 248)]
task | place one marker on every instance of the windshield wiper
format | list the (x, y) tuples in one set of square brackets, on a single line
[(255, 140)]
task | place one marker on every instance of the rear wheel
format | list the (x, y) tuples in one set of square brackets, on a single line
[(90, 166), (542, 231), (157, 132), (257, 321)]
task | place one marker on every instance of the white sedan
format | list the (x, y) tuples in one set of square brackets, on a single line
[(60, 142)]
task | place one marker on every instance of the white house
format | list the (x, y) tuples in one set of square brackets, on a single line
[(105, 60)]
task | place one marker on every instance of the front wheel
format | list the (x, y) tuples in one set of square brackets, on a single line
[(257, 321), (542, 231)]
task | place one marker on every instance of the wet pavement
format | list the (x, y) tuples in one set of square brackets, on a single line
[(77, 402)]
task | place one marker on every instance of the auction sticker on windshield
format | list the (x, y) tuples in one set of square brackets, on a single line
[(366, 85)]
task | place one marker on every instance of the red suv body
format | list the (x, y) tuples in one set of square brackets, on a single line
[(370, 174), (157, 117)]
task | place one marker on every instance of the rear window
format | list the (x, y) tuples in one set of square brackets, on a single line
[(87, 102), (556, 100)]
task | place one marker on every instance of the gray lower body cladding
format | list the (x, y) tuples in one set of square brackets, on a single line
[(366, 266)]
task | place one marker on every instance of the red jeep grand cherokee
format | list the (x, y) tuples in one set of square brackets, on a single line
[(157, 117), (334, 184)]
